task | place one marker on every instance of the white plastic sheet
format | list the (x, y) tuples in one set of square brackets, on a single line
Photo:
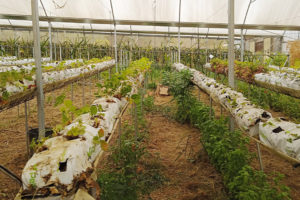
[(245, 113)]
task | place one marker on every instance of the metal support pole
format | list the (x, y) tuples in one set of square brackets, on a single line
[(55, 58), (142, 99), (121, 57), (210, 106), (179, 31), (115, 36), (206, 49), (26, 129), (60, 55), (221, 108), (72, 97), (83, 98), (135, 122), (231, 51), (115, 45), (120, 130), (50, 40), (242, 32), (37, 57), (242, 45), (259, 157)]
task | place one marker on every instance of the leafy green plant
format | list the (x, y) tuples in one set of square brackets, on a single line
[(37, 144), (77, 130), (227, 149), (152, 86), (33, 174), (68, 109), (277, 59), (131, 171)]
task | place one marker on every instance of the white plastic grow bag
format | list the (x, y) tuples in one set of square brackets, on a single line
[(284, 80), (64, 160), (245, 113), (281, 135), (22, 62)]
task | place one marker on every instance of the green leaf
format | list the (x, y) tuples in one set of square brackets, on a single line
[(60, 99), (93, 110)]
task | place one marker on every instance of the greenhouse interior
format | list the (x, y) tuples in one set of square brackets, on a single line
[(150, 99)]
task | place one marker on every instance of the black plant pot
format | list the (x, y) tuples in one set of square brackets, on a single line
[(34, 134)]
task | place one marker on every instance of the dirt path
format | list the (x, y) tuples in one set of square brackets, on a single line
[(185, 163)]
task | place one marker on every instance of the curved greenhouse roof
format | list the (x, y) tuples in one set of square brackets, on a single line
[(158, 15)]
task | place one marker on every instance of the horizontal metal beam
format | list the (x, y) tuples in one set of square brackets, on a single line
[(152, 23), (110, 32), (94, 31)]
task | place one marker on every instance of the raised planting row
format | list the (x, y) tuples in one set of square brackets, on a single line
[(45, 66), (268, 99), (61, 162), (256, 121), (21, 62), (284, 80), (227, 149), (17, 87), (284, 69), (6, 58)]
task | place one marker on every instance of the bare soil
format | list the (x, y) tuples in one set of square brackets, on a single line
[(185, 163)]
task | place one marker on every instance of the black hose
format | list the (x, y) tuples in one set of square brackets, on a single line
[(296, 165), (10, 174)]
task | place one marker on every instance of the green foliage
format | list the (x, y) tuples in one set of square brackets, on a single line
[(152, 86), (37, 144), (126, 89), (179, 84), (60, 99), (227, 150), (93, 110), (243, 70), (148, 103), (270, 99), (132, 172), (111, 84), (98, 141), (68, 110), (77, 130), (33, 174), (277, 59)]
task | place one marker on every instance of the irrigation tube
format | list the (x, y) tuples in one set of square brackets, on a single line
[(10, 174)]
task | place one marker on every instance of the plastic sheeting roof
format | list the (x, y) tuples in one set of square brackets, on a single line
[(264, 12)]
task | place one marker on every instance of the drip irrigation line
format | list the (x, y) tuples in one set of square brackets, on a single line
[(10, 174)]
